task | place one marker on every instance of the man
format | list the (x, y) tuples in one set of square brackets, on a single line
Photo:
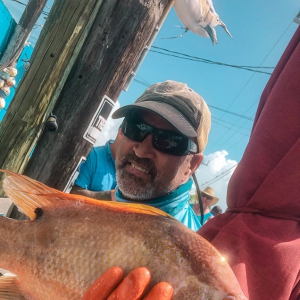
[(97, 177), (163, 136)]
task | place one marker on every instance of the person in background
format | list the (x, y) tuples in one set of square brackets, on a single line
[(216, 210), (97, 177), (208, 200)]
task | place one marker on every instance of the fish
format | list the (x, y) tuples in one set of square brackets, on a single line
[(200, 17), (70, 240)]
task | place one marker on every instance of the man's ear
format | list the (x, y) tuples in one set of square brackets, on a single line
[(196, 162), (193, 165)]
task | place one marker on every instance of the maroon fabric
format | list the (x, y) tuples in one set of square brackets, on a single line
[(260, 232)]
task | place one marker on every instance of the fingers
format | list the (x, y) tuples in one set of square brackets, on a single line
[(133, 285), (111, 286), (105, 284), (161, 291)]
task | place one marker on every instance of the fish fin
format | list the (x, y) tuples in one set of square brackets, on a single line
[(212, 34), (225, 27), (31, 196), (9, 289), (26, 193)]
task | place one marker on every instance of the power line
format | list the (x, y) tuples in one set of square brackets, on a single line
[(203, 60), (240, 140), (211, 106), (43, 12), (229, 138), (218, 177), (232, 135), (232, 113), (211, 147), (141, 82), (236, 131), (241, 127)]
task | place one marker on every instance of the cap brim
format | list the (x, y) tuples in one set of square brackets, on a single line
[(166, 111)]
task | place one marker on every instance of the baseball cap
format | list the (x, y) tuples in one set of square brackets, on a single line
[(179, 105)]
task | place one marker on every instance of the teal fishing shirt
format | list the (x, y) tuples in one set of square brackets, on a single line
[(98, 173), (206, 217), (175, 204)]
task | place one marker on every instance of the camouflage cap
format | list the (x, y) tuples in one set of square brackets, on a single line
[(179, 105)]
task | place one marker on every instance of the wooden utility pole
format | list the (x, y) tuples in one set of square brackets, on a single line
[(76, 78), (115, 42), (56, 50), (21, 33)]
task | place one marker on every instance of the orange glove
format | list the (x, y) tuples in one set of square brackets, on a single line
[(111, 286)]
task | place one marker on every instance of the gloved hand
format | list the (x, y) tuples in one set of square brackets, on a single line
[(112, 285)]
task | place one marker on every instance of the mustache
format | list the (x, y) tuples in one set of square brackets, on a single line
[(147, 163)]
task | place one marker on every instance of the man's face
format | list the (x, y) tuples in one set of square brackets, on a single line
[(145, 173)]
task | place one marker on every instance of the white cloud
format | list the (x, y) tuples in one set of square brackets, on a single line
[(215, 172), (110, 128)]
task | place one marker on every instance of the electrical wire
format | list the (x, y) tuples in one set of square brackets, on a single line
[(241, 127), (210, 106), (43, 12), (256, 101), (232, 113), (232, 135), (203, 60), (236, 131), (218, 177)]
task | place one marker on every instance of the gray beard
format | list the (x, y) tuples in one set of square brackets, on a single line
[(134, 188)]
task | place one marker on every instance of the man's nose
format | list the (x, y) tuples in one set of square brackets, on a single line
[(144, 149)]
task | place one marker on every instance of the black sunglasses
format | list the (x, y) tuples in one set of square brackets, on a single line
[(206, 196), (166, 141)]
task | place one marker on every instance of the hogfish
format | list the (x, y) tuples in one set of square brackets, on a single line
[(200, 17), (70, 240)]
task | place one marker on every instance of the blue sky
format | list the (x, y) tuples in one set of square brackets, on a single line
[(261, 30)]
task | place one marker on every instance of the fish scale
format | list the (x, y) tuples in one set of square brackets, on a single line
[(60, 254)]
